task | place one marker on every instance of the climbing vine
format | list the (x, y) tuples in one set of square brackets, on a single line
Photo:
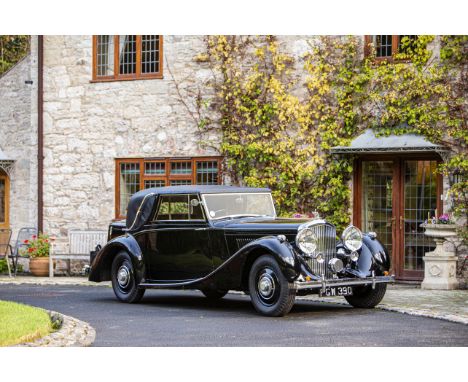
[(278, 117)]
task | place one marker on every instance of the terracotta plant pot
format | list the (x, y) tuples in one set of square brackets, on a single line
[(39, 266)]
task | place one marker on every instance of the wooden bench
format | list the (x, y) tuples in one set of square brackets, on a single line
[(81, 243)]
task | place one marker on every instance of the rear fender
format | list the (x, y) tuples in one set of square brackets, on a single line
[(101, 265)]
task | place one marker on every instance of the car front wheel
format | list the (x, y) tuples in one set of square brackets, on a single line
[(270, 292), (366, 297), (123, 279)]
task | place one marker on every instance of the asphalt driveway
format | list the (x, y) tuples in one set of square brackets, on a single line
[(187, 318)]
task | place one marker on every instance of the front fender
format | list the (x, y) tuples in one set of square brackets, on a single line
[(281, 250), (101, 265), (373, 257)]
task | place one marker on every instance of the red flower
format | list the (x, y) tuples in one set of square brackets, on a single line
[(34, 236), (46, 240), (26, 241), (30, 249)]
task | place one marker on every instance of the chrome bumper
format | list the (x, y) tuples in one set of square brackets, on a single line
[(323, 284)]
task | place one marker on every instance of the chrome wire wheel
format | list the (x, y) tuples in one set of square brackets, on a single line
[(267, 286)]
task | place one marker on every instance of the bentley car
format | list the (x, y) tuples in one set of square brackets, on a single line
[(221, 238)]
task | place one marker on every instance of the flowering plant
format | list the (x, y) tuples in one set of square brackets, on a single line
[(38, 246), (442, 219)]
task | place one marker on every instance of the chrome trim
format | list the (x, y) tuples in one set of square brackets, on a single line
[(326, 246), (343, 237), (323, 284)]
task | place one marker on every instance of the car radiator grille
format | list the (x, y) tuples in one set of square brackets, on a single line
[(326, 244)]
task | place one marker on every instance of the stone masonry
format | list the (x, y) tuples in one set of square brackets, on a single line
[(87, 125), (18, 138)]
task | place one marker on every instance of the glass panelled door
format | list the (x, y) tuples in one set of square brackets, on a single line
[(420, 192), (393, 198), (376, 200)]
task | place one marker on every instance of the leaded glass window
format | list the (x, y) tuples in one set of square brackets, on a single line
[(127, 57)]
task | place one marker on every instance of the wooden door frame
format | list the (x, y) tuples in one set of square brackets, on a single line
[(6, 224), (401, 273), (397, 255)]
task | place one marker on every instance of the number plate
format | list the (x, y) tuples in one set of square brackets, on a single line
[(337, 291)]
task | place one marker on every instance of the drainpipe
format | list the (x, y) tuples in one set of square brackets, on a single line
[(40, 134)]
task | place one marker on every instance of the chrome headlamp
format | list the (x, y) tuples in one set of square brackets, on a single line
[(306, 241), (352, 238)]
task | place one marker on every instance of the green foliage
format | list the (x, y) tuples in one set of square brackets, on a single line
[(4, 267), (272, 135), (12, 49)]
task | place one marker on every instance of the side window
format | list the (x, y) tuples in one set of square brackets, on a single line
[(179, 207)]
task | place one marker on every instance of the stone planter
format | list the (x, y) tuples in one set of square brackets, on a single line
[(39, 266), (440, 266)]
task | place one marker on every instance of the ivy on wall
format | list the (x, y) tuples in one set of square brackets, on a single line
[(278, 118), (12, 49)]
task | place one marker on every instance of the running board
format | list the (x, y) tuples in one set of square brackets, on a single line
[(168, 285)]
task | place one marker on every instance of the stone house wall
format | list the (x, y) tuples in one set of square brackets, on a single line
[(87, 125), (18, 138)]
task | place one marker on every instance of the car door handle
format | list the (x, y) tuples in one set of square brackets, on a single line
[(200, 229)]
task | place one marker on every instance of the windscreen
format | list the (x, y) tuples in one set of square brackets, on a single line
[(220, 206)]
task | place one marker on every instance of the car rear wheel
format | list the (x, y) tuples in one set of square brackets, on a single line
[(214, 294), (270, 292), (123, 279), (366, 297)]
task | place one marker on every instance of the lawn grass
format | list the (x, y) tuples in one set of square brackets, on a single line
[(22, 323)]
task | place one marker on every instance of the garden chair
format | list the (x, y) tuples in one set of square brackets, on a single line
[(25, 233), (5, 247)]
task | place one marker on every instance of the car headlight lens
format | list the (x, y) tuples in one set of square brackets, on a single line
[(306, 240), (352, 238)]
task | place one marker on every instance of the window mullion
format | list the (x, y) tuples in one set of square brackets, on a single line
[(116, 57), (138, 56), (394, 45)]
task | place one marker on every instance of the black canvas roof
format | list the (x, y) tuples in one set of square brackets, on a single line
[(141, 203)]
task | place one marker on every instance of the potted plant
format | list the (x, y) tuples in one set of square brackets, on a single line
[(38, 249), (440, 228)]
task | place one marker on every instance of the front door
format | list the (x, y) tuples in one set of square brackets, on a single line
[(176, 243), (4, 200), (393, 197)]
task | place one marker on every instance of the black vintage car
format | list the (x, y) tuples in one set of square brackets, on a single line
[(221, 238)]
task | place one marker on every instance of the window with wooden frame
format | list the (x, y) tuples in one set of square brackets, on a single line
[(4, 200), (127, 57), (385, 46), (133, 175)]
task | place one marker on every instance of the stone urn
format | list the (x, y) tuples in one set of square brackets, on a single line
[(39, 266), (440, 266)]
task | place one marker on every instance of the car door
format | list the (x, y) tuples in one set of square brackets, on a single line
[(177, 244)]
